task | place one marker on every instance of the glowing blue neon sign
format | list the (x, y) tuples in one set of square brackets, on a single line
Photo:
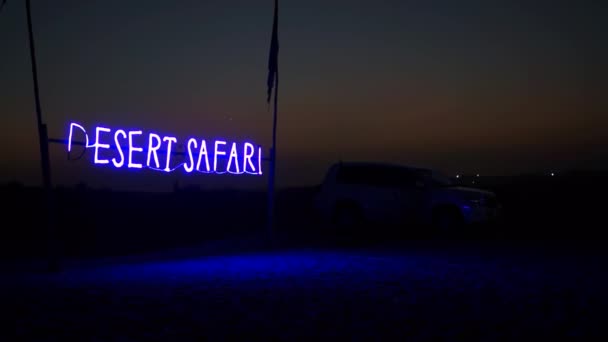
[(124, 150)]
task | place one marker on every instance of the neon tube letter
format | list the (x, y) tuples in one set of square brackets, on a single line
[(122, 156), (233, 155), (134, 149), (72, 125), (191, 167), (202, 151), (98, 145), (260, 160), (247, 154), (152, 148), (169, 140), (217, 153)]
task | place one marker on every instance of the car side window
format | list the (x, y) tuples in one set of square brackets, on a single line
[(378, 176), (406, 178), (353, 175)]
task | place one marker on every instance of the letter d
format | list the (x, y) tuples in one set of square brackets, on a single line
[(72, 125)]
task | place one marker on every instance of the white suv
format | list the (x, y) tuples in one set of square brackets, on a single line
[(395, 194)]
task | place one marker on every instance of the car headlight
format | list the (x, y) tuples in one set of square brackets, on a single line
[(474, 199)]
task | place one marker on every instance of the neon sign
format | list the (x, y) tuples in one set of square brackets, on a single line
[(134, 150)]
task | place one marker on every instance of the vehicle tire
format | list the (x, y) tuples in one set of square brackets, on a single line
[(448, 222)]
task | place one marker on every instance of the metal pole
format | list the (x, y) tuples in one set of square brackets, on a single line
[(273, 67), (44, 148), (34, 68), (273, 159)]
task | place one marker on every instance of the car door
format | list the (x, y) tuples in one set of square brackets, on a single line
[(396, 186), (378, 193), (411, 191)]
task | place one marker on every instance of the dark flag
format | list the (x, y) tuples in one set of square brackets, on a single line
[(273, 59)]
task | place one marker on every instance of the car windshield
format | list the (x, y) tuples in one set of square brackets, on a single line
[(436, 178), (440, 179)]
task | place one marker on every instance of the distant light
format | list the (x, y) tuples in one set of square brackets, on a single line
[(473, 182), (457, 176), (552, 174), (478, 175)]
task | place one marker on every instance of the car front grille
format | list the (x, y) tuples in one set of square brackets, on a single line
[(491, 202)]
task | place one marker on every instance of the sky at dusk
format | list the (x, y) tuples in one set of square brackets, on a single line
[(495, 87)]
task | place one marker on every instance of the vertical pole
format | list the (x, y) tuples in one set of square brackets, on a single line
[(34, 70), (44, 148), (273, 160)]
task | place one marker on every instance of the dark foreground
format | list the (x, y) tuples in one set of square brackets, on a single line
[(149, 267), (415, 290)]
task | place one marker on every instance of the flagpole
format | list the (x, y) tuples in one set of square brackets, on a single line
[(273, 161), (44, 149), (273, 80)]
